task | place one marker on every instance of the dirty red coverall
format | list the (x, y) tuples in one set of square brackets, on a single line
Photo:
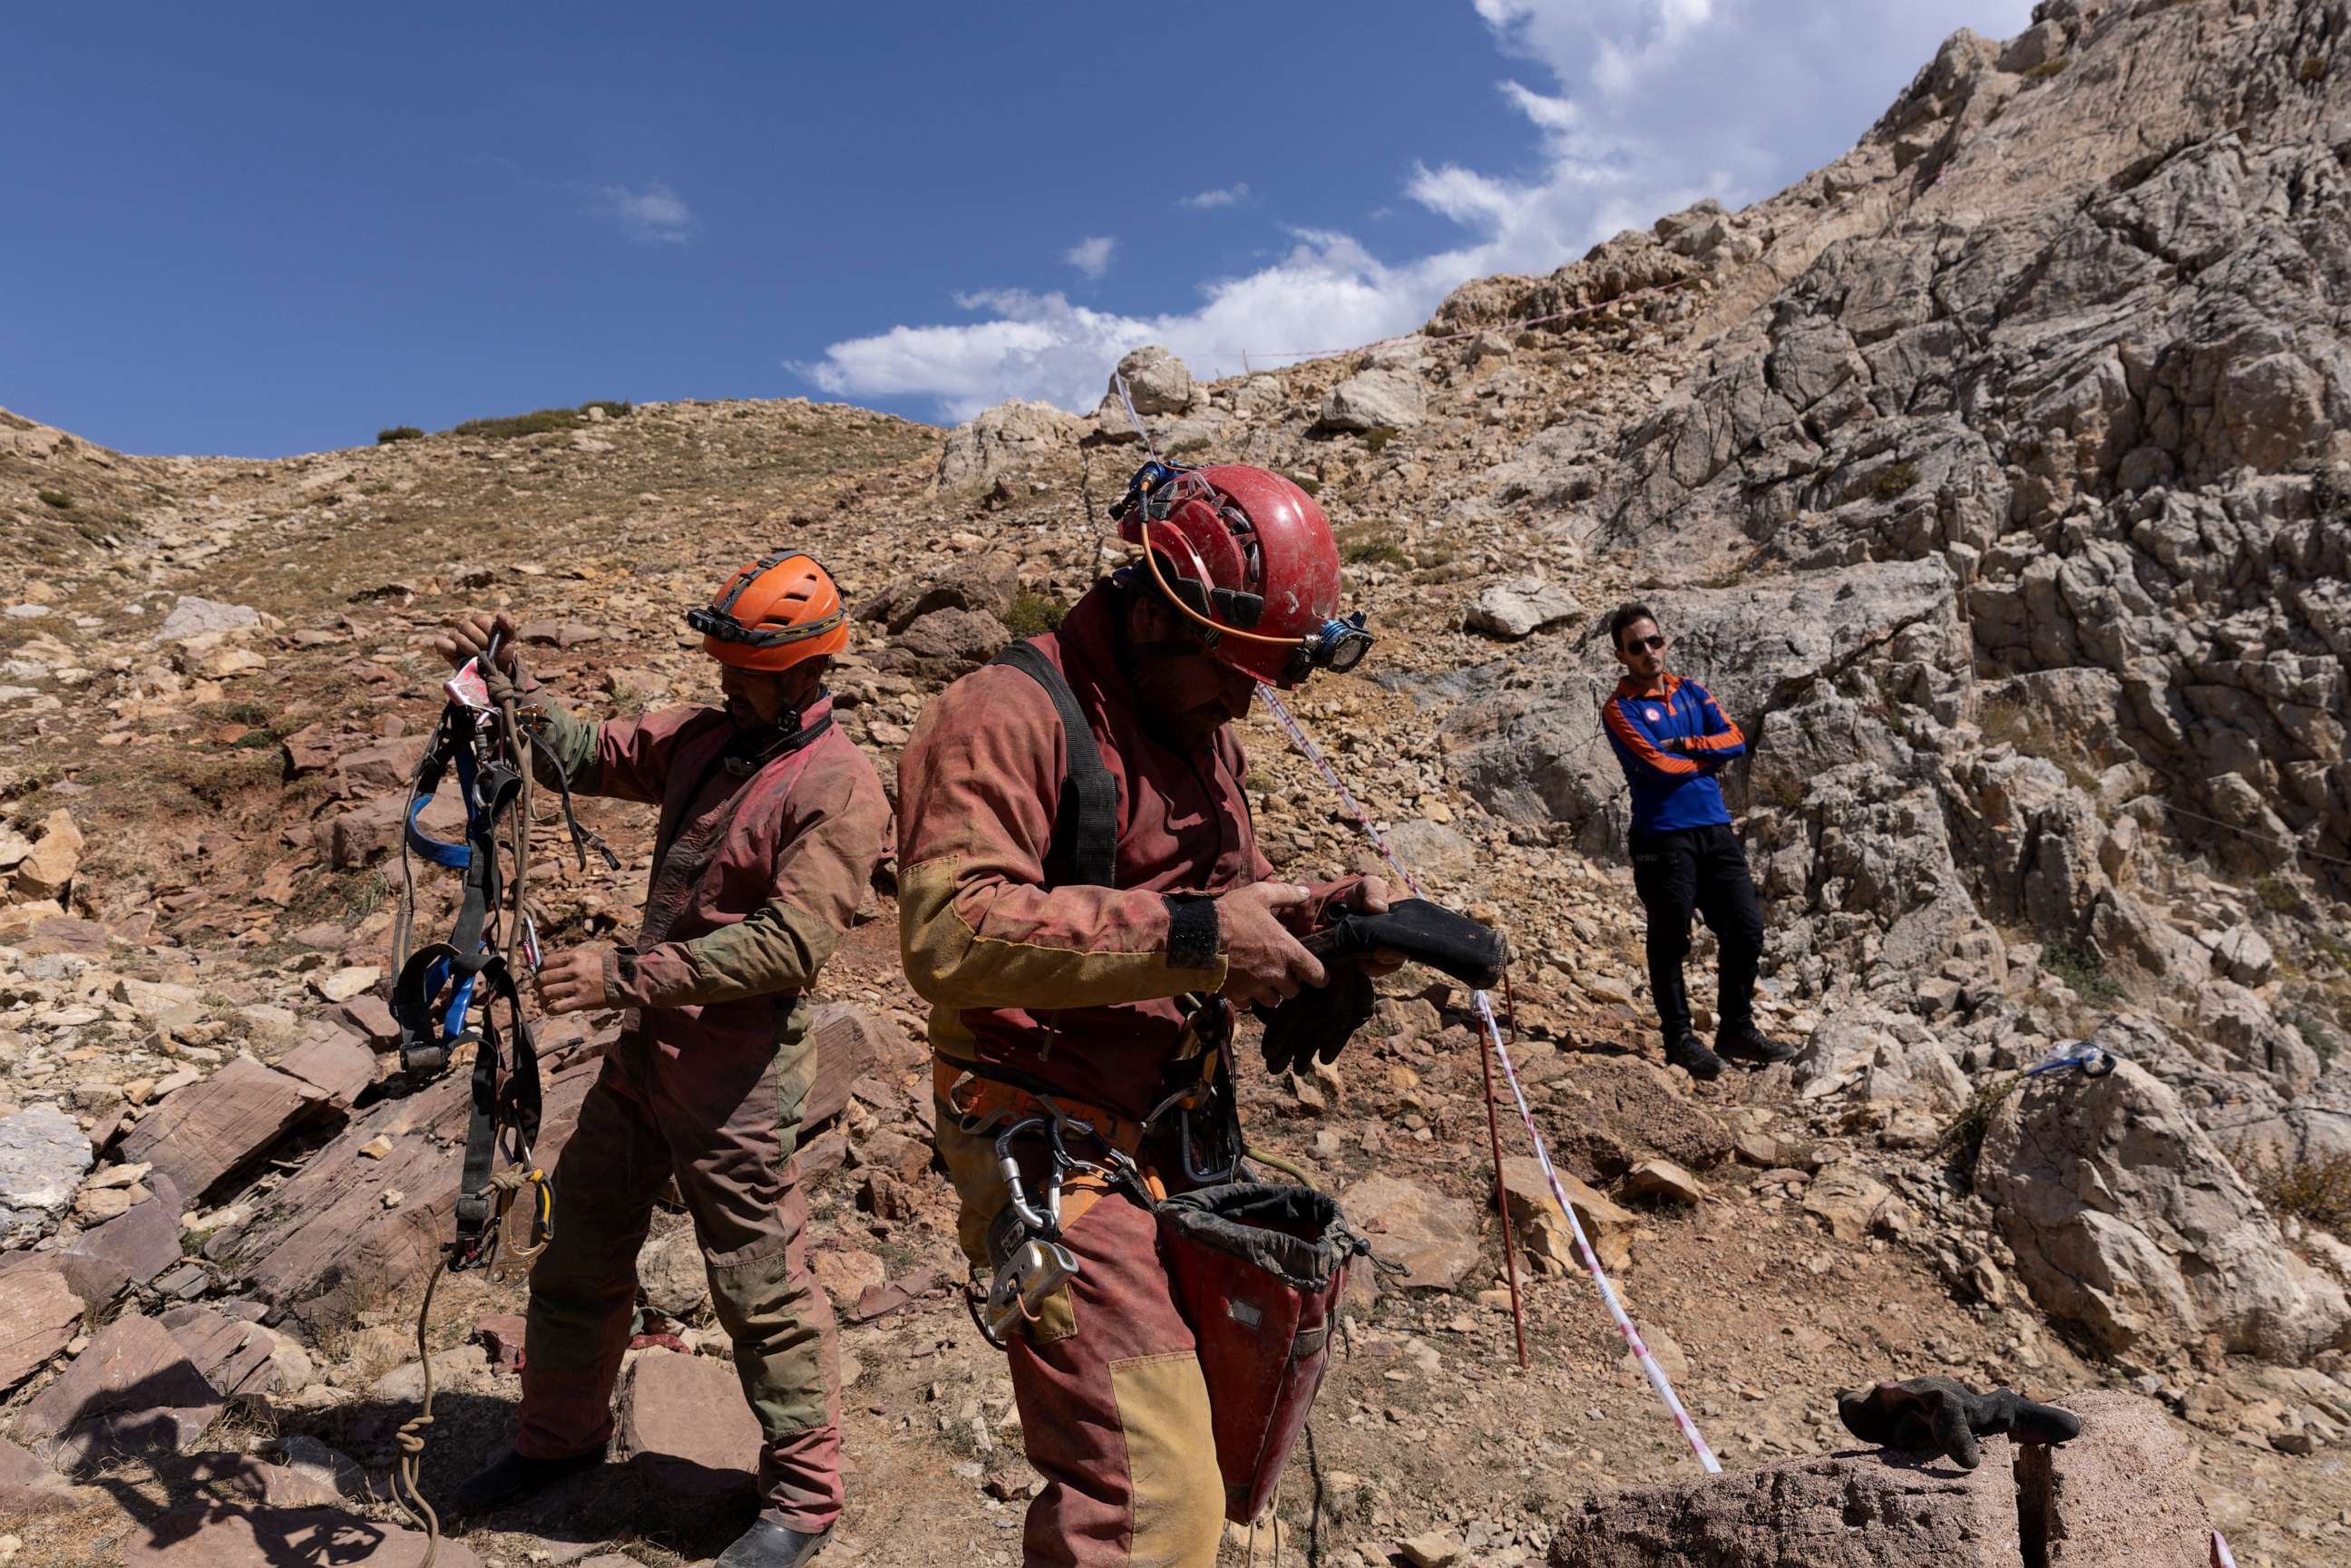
[(760, 863), (1073, 985)]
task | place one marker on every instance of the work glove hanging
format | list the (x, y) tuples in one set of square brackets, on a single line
[(1472, 953), (1936, 1413), (1317, 1023)]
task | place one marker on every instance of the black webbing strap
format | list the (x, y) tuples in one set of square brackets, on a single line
[(1087, 822), (517, 1104)]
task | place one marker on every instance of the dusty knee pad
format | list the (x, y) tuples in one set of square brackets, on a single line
[(779, 1321), (1176, 1493)]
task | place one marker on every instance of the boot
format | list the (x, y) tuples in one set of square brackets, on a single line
[(767, 1544), (1745, 1042), (1692, 1058), (513, 1475)]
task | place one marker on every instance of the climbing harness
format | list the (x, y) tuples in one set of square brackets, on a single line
[(446, 994), (1484, 1005), (2076, 1055)]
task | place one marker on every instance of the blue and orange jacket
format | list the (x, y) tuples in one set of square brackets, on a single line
[(1671, 789)]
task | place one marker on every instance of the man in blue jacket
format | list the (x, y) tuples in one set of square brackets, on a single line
[(1671, 740)]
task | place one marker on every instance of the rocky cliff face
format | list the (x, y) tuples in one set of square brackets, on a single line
[(2016, 476), (1993, 479)]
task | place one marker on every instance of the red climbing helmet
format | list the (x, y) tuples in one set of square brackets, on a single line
[(1248, 555)]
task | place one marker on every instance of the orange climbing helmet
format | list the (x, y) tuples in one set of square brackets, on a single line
[(773, 613)]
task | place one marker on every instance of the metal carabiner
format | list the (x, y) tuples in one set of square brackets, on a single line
[(1015, 1196)]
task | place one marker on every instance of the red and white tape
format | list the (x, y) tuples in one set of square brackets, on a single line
[(1485, 1006)]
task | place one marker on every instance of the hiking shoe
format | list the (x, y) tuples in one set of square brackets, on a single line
[(513, 1475), (767, 1544), (1693, 1059), (1745, 1042)]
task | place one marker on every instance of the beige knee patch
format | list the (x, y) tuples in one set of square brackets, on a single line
[(1178, 1493)]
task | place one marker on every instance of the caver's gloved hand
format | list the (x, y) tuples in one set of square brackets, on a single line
[(1425, 933), (1935, 1413), (1320, 1020)]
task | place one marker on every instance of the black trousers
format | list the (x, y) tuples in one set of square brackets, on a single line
[(1703, 870)]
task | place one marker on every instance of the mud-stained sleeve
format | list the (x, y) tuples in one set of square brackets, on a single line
[(837, 831), (627, 758), (977, 787)]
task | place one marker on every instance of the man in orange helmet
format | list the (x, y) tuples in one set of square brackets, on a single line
[(1083, 909), (771, 825)]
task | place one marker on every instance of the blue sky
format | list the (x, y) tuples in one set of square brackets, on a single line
[(257, 230)]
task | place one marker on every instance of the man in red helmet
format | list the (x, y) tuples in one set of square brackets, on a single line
[(1084, 941), (771, 825)]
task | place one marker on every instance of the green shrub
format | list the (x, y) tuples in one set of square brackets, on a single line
[(2312, 67), (56, 500), (1892, 481), (2314, 1191), (1306, 482), (613, 408), (2277, 894), (1376, 439), (1962, 1140), (539, 421), (1373, 549), (1034, 612), (2313, 1035), (386, 438), (2083, 971)]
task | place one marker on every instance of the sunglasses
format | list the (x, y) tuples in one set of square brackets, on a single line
[(1649, 644)]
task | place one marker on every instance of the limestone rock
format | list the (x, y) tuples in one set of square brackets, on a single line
[(193, 617), (2127, 1221), (1518, 608), (1156, 380), (1008, 435), (671, 1273), (48, 871), (1540, 1228), (42, 1154), (1434, 1236), (1376, 400)]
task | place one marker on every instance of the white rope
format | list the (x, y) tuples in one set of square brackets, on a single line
[(1485, 1006)]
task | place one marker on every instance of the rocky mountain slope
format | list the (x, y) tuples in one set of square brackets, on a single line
[(1992, 477)]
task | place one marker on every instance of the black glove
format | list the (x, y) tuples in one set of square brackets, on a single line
[(1937, 1413), (1425, 933), (1317, 1021)]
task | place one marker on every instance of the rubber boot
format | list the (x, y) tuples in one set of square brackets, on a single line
[(513, 1475), (767, 1544), (1745, 1042), (1692, 1058)]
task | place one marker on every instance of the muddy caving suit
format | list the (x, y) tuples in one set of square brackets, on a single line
[(1076, 987), (760, 860)]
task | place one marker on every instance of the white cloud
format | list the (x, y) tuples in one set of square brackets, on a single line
[(654, 214), (1649, 106), (1224, 197), (1091, 255)]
